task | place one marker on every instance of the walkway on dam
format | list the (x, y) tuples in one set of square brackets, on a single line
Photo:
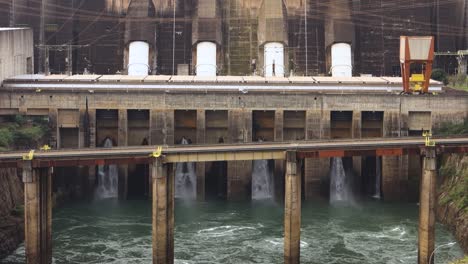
[(230, 152)]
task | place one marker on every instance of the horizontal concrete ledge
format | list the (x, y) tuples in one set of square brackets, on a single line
[(221, 152), (203, 79), (206, 88)]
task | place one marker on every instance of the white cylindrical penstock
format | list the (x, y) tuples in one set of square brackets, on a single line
[(341, 60), (274, 59), (206, 59), (138, 58)]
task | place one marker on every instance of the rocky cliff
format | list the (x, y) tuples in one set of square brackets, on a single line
[(452, 208), (11, 213)]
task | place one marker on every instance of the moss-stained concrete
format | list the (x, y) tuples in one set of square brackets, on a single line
[(452, 208)]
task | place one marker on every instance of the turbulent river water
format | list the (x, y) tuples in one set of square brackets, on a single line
[(112, 231)]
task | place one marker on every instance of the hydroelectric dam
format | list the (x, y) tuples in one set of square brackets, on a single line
[(177, 139)]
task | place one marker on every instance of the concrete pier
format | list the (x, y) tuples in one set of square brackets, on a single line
[(163, 212), (239, 172), (37, 213), (200, 167), (292, 210), (122, 140), (426, 233)]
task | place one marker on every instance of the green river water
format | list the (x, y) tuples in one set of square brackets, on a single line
[(112, 231)]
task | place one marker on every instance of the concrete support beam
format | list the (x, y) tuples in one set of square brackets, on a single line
[(163, 212), (357, 124), (161, 127), (37, 214), (54, 133), (426, 232), (394, 177), (279, 164), (315, 169), (395, 169), (292, 210), (357, 161), (393, 125), (239, 172), (200, 166), (122, 137), (325, 124), (92, 144)]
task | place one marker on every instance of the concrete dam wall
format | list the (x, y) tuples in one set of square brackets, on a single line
[(306, 28), (87, 118)]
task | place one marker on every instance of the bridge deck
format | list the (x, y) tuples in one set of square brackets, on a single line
[(227, 152)]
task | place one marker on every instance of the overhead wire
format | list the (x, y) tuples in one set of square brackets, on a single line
[(362, 20)]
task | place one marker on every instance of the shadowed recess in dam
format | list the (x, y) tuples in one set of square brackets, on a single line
[(185, 178), (262, 180), (108, 178), (340, 183), (113, 231), (378, 178)]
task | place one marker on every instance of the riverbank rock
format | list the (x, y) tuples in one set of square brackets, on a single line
[(11, 218), (11, 235), (452, 207)]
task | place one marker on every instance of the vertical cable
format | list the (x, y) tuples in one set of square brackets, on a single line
[(173, 36), (305, 38), (42, 57)]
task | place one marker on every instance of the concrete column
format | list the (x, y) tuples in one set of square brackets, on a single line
[(357, 160), (239, 172), (395, 177), (395, 169), (315, 169), (426, 232), (170, 212), (279, 164), (161, 131), (122, 138), (163, 212), (92, 144), (200, 166), (161, 127), (325, 124), (292, 210), (37, 213), (54, 133), (357, 123)]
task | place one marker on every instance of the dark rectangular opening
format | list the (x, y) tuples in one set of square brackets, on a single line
[(216, 122), (185, 126), (106, 126), (263, 125), (138, 127), (294, 125), (372, 124), (69, 138), (341, 124), (138, 135)]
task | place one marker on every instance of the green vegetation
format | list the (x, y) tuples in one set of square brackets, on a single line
[(455, 188), (449, 129), (461, 261), (455, 81), (440, 75), (21, 132), (459, 82), (18, 211)]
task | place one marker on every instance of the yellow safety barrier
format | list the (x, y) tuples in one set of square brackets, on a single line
[(157, 153), (46, 148), (428, 142), (29, 156)]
